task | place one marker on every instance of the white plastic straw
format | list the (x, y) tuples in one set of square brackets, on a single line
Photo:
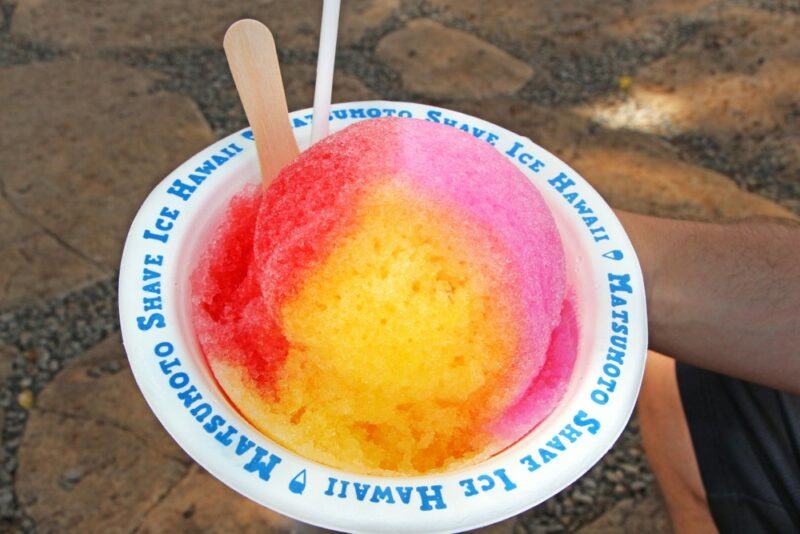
[(325, 61)]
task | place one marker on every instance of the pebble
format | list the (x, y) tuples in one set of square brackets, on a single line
[(633, 452), (112, 367), (71, 477), (74, 474), (25, 338), (43, 359), (629, 469), (25, 399)]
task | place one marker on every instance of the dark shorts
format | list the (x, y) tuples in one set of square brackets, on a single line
[(747, 441)]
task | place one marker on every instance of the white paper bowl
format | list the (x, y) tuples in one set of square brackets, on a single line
[(602, 268)]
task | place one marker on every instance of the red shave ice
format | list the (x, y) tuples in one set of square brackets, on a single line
[(395, 302)]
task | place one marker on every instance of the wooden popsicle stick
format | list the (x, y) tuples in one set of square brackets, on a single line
[(253, 61)]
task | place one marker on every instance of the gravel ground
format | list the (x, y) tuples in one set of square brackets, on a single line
[(45, 335)]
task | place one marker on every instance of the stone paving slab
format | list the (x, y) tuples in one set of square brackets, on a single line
[(159, 24), (201, 504), (34, 263), (84, 476), (86, 147), (93, 458), (655, 182), (433, 60), (540, 28)]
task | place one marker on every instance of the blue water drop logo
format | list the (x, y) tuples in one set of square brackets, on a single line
[(298, 483), (613, 254)]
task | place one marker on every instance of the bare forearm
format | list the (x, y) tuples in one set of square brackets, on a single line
[(725, 297)]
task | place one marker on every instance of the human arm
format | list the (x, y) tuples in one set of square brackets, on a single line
[(725, 297)]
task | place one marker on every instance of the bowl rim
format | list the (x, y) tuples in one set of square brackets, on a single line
[(318, 502)]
